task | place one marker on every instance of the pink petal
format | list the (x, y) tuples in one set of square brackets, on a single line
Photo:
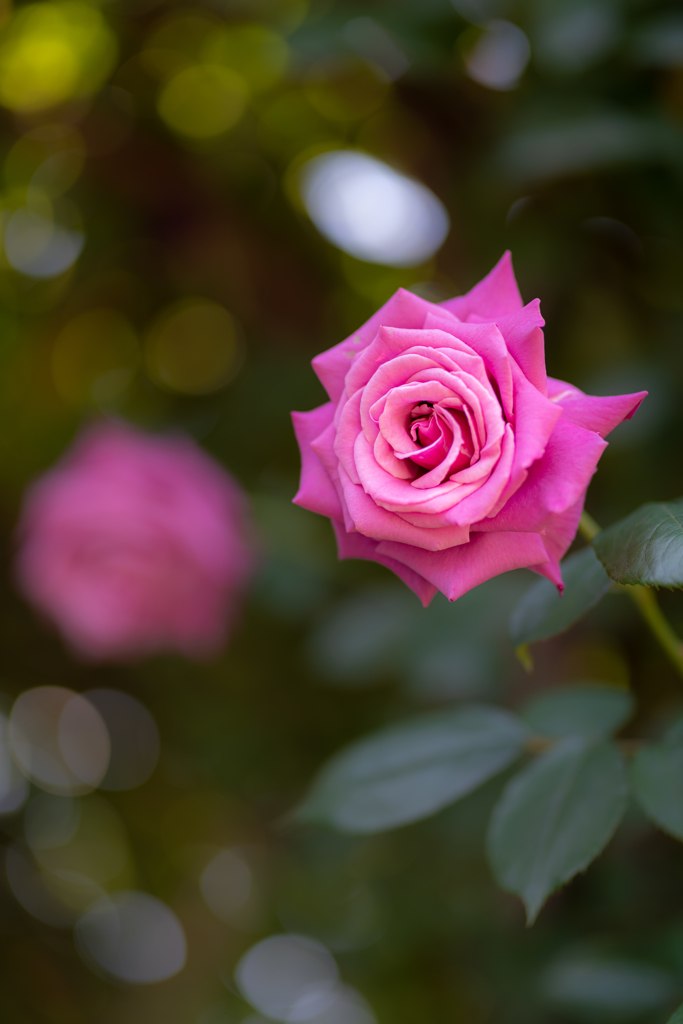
[(387, 459), (479, 504), (376, 522), (554, 483), (400, 495), (323, 446), (458, 570), (496, 295), (488, 342), (557, 537), (535, 420), (347, 430), (316, 491), (402, 310), (524, 340), (594, 412), (355, 545)]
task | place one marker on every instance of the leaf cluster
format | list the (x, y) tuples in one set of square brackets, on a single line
[(558, 812)]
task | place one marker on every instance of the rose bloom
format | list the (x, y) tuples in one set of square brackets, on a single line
[(445, 452), (134, 544)]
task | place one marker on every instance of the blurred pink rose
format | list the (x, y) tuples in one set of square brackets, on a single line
[(446, 453), (135, 543)]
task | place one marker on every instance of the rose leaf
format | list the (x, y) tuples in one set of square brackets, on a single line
[(581, 709), (542, 613), (555, 817), (411, 770), (657, 779), (645, 547), (677, 1017)]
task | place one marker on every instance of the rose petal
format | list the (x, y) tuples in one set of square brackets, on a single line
[(355, 545), (374, 521), (594, 412), (323, 446), (387, 459), (316, 491), (524, 340), (348, 428), (554, 483), (404, 309), (557, 537), (458, 570), (496, 295), (535, 420)]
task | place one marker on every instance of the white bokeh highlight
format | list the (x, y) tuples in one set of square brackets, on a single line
[(293, 979), (371, 211), (37, 247), (133, 736), (499, 57), (59, 740), (132, 937)]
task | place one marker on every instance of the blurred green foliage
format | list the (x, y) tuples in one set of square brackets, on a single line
[(150, 153)]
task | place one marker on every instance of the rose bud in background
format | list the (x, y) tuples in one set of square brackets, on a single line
[(136, 543), (445, 452)]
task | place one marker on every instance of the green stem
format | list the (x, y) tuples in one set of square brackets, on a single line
[(646, 602)]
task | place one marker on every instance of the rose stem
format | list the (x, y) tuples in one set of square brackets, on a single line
[(646, 601)]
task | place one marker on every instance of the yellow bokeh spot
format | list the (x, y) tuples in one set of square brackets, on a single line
[(256, 53), (51, 52), (193, 347), (203, 101), (94, 357)]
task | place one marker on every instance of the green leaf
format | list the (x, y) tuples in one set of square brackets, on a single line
[(646, 547), (542, 613), (657, 777), (584, 709), (677, 1017), (411, 770), (555, 817)]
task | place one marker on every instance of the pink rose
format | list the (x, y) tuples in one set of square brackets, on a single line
[(134, 544), (446, 453)]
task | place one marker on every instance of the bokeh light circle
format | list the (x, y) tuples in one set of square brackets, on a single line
[(133, 736), (203, 101), (226, 884), (287, 977), (59, 740), (193, 347), (133, 937), (370, 210), (50, 52)]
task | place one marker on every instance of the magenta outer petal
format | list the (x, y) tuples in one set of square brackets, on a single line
[(557, 537), (554, 483), (496, 295), (355, 545), (458, 570), (535, 420), (316, 491), (591, 411), (524, 339)]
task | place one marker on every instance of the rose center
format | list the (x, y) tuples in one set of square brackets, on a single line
[(443, 434)]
